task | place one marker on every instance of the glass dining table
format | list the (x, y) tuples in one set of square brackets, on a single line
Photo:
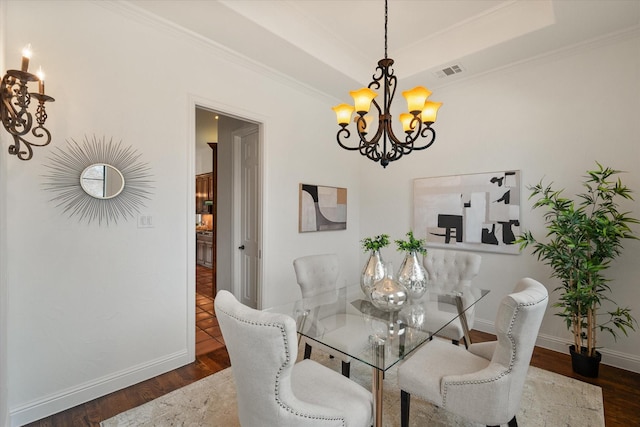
[(344, 319)]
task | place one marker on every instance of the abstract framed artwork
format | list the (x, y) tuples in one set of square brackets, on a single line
[(479, 212), (322, 208)]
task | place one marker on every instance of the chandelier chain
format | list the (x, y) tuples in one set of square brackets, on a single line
[(386, 19)]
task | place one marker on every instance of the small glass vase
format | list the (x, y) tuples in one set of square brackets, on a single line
[(412, 275), (388, 294), (372, 272)]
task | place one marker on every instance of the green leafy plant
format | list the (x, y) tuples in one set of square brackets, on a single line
[(411, 244), (584, 236), (375, 243)]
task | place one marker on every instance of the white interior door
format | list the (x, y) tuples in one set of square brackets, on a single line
[(248, 228)]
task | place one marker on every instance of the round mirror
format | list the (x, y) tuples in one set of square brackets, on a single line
[(102, 181)]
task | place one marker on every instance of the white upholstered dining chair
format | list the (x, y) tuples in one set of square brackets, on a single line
[(274, 390), (447, 271), (485, 382), (316, 274)]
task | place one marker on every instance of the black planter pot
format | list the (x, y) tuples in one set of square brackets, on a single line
[(585, 365)]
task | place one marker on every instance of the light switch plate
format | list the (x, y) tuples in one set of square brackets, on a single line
[(145, 221)]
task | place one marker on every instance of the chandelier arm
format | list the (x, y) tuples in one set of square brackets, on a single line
[(368, 148), (375, 104), (409, 140), (16, 151), (390, 89), (15, 94), (20, 141), (378, 75), (371, 152), (374, 139), (344, 132), (428, 131)]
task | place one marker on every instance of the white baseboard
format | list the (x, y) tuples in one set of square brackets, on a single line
[(82, 393), (629, 362)]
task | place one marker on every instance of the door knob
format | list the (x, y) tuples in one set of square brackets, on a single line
[(241, 247)]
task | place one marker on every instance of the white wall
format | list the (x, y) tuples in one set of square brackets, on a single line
[(4, 327), (553, 117), (94, 309)]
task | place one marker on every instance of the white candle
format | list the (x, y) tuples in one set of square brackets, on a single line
[(26, 55), (40, 75)]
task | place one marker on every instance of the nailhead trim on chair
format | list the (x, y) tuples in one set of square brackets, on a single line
[(288, 358), (511, 361)]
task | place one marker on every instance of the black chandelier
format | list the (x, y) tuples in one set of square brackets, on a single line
[(14, 109), (384, 146)]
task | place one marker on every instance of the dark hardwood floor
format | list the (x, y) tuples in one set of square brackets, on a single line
[(91, 413), (620, 389)]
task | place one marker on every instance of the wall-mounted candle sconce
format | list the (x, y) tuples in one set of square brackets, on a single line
[(14, 109)]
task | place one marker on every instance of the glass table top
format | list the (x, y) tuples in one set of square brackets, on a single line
[(345, 320)]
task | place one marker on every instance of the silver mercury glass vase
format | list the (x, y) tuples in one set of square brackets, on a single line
[(388, 294), (412, 275), (372, 272)]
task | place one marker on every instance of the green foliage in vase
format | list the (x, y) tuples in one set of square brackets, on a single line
[(582, 239), (375, 243), (411, 244)]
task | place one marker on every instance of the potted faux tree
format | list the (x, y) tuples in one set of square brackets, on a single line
[(411, 273), (374, 267), (582, 239)]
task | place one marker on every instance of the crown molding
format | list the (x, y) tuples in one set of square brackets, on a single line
[(134, 13)]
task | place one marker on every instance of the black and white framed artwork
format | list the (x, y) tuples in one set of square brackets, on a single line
[(479, 212)]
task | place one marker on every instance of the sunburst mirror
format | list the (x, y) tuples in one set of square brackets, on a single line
[(98, 180)]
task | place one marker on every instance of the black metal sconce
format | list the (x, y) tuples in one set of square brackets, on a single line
[(14, 109)]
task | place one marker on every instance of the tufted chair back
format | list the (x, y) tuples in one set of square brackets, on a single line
[(517, 323), (484, 383), (316, 273), (448, 269), (272, 390)]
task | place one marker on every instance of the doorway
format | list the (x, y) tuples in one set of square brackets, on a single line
[(221, 150)]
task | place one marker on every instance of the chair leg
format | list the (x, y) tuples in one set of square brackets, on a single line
[(405, 401), (512, 423), (346, 369), (466, 344), (307, 351)]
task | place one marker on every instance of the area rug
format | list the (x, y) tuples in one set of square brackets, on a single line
[(548, 399)]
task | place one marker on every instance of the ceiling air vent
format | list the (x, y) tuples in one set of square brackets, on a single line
[(449, 71)]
